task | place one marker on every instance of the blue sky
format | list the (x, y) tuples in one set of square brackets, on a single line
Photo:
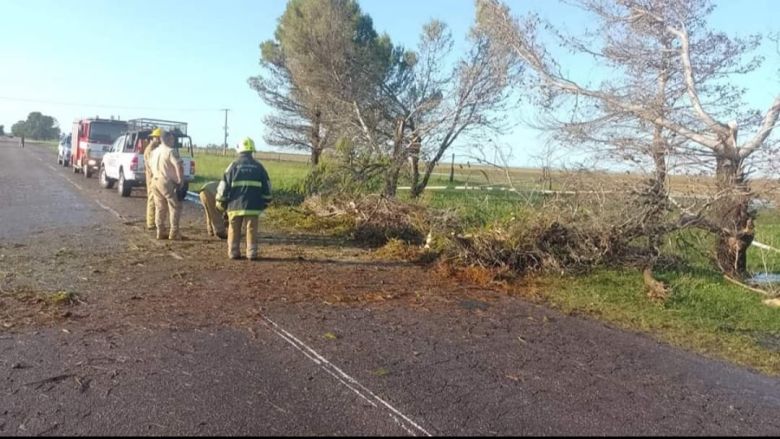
[(186, 60)]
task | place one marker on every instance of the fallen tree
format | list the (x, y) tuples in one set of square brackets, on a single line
[(691, 65)]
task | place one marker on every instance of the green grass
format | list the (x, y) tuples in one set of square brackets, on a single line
[(704, 313), (767, 232), (479, 207), (283, 174)]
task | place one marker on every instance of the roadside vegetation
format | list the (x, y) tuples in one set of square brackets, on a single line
[(701, 311), (666, 247)]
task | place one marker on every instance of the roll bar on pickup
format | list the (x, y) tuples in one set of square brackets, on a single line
[(180, 128)]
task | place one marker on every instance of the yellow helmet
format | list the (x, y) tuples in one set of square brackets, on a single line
[(246, 145), (157, 132)]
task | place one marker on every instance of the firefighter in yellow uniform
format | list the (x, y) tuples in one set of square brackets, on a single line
[(154, 142), (215, 221), (167, 178), (244, 193)]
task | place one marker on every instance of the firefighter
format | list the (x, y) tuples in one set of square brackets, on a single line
[(215, 221), (154, 142), (244, 193), (167, 179)]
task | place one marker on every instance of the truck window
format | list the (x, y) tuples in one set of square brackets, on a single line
[(105, 132), (117, 147), (128, 143)]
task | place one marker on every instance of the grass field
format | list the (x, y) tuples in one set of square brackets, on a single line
[(283, 174)]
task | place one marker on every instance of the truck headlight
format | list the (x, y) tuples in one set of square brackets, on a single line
[(92, 163)]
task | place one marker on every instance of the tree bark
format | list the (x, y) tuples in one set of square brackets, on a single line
[(732, 215), (391, 182), (419, 185), (316, 153), (396, 160), (315, 138)]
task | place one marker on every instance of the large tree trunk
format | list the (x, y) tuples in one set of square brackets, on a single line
[(733, 217), (315, 138), (396, 161), (658, 198), (415, 168), (316, 153), (391, 182), (419, 185)]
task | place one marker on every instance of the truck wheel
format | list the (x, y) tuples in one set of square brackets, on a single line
[(86, 171), (123, 187), (59, 160), (105, 182)]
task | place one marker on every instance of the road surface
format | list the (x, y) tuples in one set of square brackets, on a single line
[(174, 339)]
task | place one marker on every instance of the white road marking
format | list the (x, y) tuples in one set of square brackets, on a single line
[(116, 214), (351, 383), (78, 186)]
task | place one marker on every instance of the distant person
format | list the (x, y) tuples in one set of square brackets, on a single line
[(167, 179), (21, 141), (215, 221), (244, 193), (154, 142)]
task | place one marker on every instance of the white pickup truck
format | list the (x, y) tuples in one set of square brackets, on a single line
[(124, 164)]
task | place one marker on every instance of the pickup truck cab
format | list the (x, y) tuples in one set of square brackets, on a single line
[(124, 165)]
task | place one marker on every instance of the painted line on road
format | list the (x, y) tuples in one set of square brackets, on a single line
[(79, 187), (109, 209), (351, 383)]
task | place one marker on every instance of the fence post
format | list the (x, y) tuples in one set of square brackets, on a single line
[(452, 169)]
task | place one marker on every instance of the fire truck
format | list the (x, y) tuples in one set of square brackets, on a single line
[(90, 139)]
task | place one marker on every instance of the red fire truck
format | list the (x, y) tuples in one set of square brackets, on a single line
[(90, 139)]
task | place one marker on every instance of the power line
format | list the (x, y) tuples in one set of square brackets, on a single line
[(113, 107)]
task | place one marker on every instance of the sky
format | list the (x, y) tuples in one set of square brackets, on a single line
[(185, 61)]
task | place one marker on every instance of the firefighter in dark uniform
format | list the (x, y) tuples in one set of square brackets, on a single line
[(244, 193)]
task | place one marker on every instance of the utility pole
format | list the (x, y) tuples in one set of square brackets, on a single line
[(224, 145)]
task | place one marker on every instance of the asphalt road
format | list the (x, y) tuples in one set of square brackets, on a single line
[(487, 365)]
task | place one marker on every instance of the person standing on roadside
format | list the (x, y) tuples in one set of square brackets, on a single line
[(21, 141), (154, 142), (244, 192), (167, 178)]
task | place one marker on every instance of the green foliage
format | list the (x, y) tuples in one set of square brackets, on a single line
[(295, 220), (37, 126), (325, 42), (350, 171)]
